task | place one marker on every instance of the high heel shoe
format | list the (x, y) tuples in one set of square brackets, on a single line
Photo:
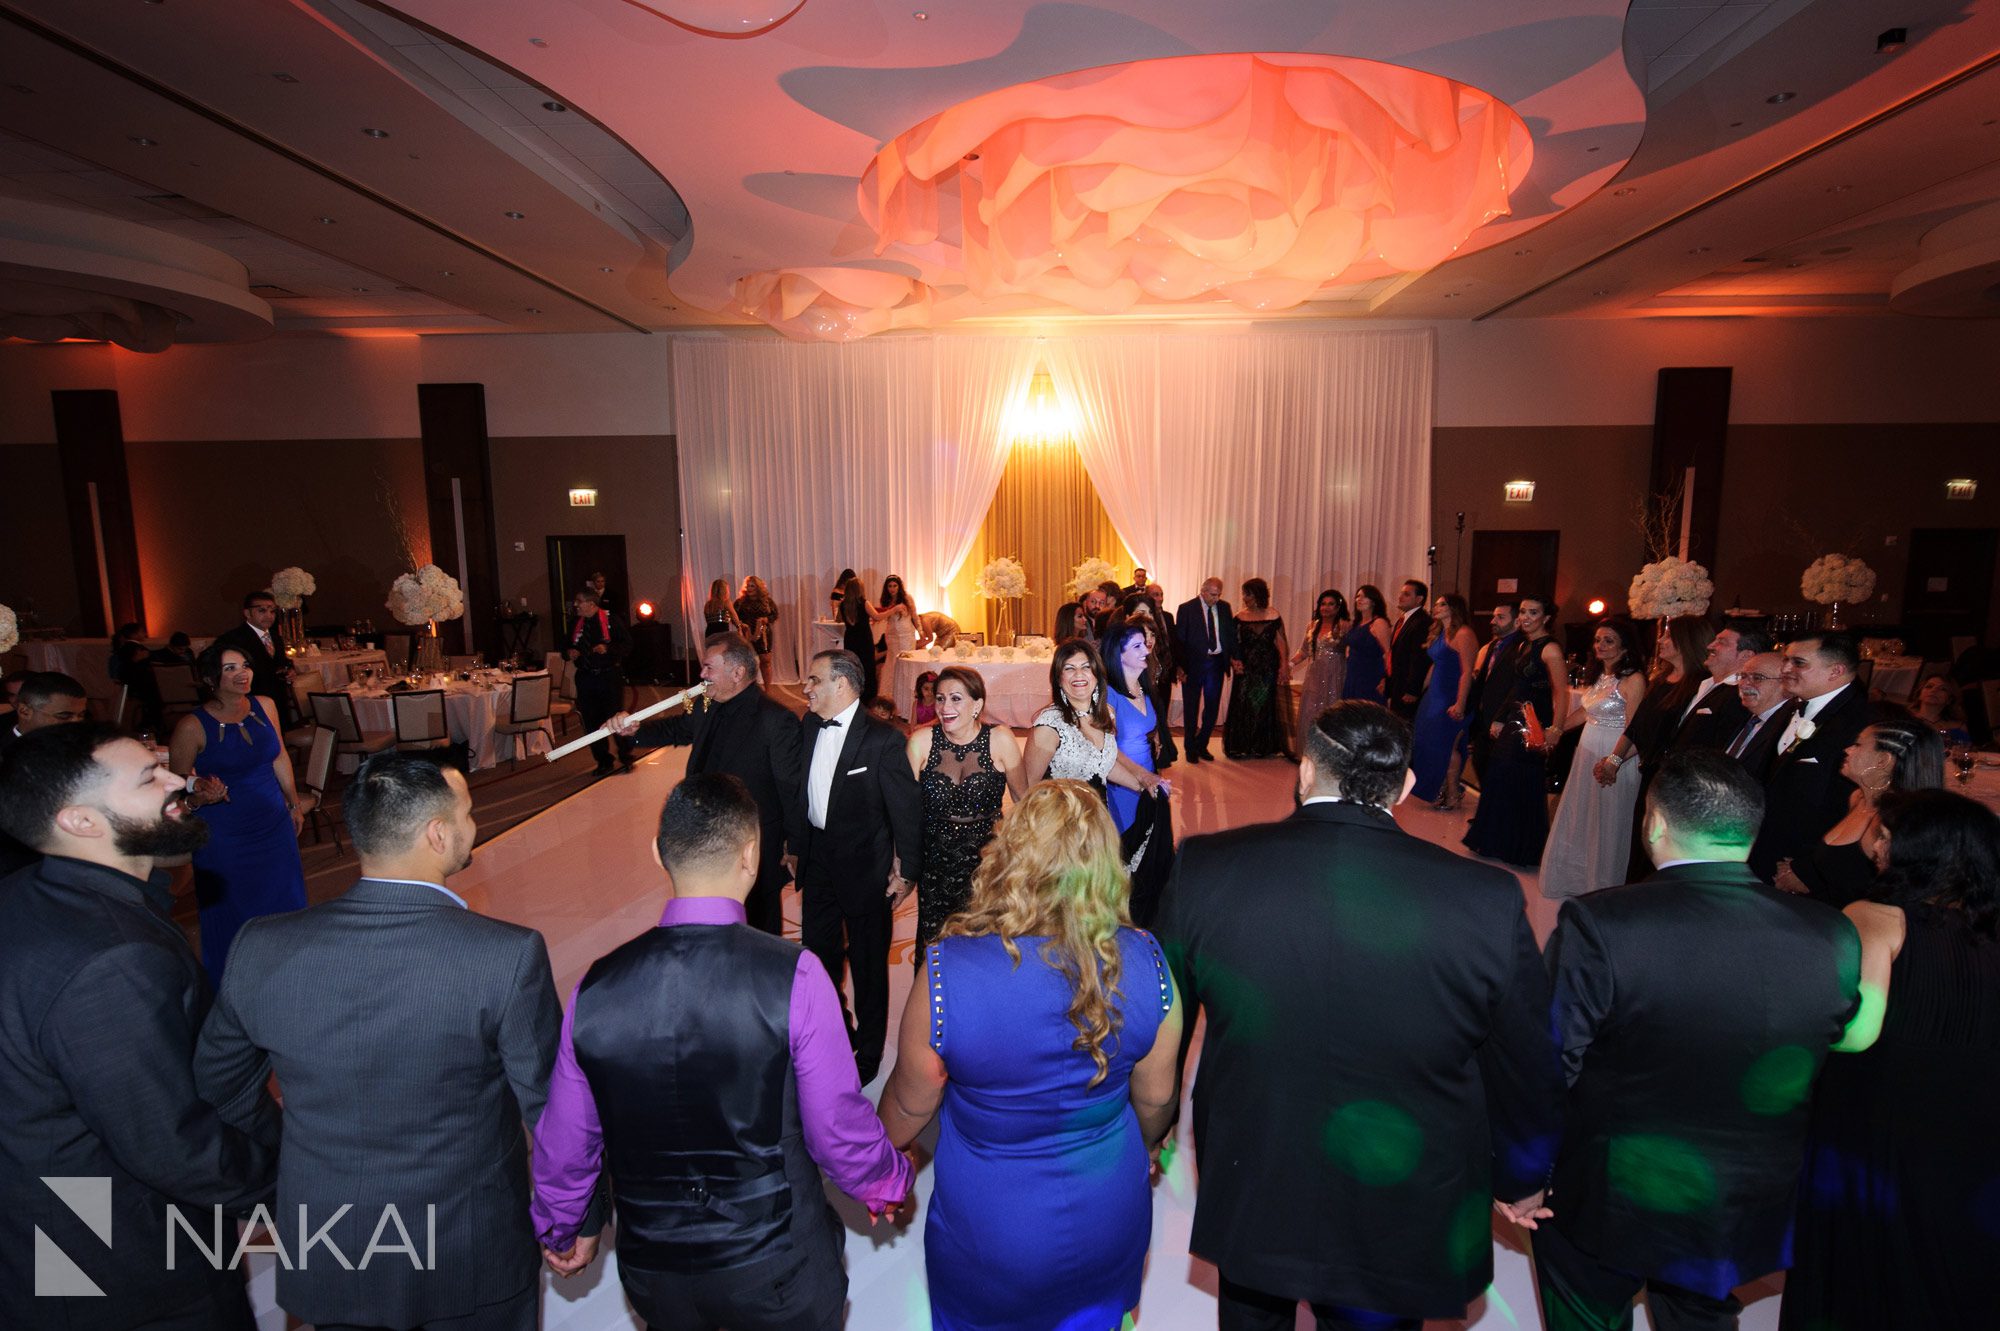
[(1448, 802)]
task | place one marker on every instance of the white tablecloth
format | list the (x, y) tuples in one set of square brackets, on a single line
[(329, 671), (470, 712), (1984, 785), (1895, 677), (85, 660), (1016, 691)]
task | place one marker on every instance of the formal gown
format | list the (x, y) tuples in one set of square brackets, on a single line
[(250, 866), (1042, 1212), (1076, 758), (962, 792), (1367, 667), (1836, 874), (1135, 719), (1145, 822), (1592, 834), (860, 639), (899, 635), (759, 617), (1512, 820), (1326, 673), (1436, 733), (1899, 1206), (1255, 727)]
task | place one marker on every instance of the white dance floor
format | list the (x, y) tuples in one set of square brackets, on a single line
[(581, 874)]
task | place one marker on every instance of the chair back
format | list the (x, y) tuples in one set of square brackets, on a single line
[(319, 760), (566, 689), (458, 663), (302, 691), (396, 646), (1960, 646), (420, 716), (531, 698), (176, 683), (335, 712)]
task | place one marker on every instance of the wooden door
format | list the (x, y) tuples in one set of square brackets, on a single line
[(1949, 589), (1506, 564)]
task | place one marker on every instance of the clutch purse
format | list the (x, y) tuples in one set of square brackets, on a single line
[(1531, 728)]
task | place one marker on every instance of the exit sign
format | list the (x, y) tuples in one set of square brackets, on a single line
[(583, 499)]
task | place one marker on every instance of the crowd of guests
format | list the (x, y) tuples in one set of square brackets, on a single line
[(1778, 1045)]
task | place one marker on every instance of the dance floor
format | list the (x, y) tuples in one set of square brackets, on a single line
[(581, 874)]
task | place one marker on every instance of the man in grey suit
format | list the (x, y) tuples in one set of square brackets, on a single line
[(411, 1040)]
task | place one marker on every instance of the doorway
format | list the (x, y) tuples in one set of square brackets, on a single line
[(572, 561), (1948, 592), (1504, 565)]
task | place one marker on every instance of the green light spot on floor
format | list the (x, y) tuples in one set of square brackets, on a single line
[(1779, 1082), (1660, 1173), (1374, 1143)]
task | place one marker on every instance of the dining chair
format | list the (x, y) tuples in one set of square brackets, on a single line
[(420, 719), (458, 663), (317, 775), (396, 646), (529, 712), (563, 709), (335, 711), (179, 691)]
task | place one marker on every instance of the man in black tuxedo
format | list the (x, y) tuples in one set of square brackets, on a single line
[(596, 649), (1492, 687), (100, 1004), (1804, 793), (858, 842), (1204, 651), (1765, 710), (412, 1039), (1712, 718), (749, 734), (1695, 1009), (264, 648), (1409, 663), (1378, 1065), (1138, 583)]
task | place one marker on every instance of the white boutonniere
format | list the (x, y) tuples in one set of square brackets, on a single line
[(1800, 734)]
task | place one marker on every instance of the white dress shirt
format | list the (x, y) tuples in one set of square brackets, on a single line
[(1756, 724), (826, 762), (1808, 710), (1708, 686), (262, 636)]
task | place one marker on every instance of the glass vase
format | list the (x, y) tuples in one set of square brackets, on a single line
[(430, 652), (1833, 620)]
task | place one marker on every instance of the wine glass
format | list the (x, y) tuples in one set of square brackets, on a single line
[(1964, 759)]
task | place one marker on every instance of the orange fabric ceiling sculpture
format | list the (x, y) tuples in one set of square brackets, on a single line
[(1256, 179)]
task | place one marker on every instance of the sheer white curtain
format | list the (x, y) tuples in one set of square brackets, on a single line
[(1300, 457), (797, 460)]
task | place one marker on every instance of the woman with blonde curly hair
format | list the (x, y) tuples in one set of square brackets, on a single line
[(1047, 1028)]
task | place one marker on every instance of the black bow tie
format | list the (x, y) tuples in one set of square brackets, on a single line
[(820, 723)]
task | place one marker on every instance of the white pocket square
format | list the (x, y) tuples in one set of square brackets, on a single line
[(856, 771), (1703, 711), (1808, 760)]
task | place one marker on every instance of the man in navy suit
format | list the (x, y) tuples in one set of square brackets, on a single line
[(1205, 636)]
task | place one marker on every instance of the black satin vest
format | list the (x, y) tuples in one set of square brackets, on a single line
[(684, 1036)]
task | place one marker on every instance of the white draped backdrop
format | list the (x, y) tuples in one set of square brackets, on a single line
[(1301, 457)]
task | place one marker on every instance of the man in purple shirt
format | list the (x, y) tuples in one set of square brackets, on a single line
[(706, 1065)]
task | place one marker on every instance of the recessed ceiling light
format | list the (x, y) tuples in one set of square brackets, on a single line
[(1621, 193), (1594, 148), (1839, 249), (971, 157), (1699, 249), (145, 142), (404, 288), (24, 88), (360, 289), (1736, 124), (325, 221), (446, 272), (554, 106), (533, 310), (920, 15), (1795, 263), (1451, 295), (1892, 40), (605, 270), (376, 133), (513, 216), (1519, 253), (1780, 98), (536, 41), (1600, 292), (1838, 189), (286, 78)]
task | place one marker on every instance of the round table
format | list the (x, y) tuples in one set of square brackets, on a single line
[(329, 671), (1984, 785), (471, 713)]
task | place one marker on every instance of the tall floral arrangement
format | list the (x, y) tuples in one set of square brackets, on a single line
[(1836, 578), (10, 629), (1670, 587), (291, 586), (1002, 579), (1088, 574), (428, 595)]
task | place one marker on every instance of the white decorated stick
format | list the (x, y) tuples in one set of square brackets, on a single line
[(604, 732)]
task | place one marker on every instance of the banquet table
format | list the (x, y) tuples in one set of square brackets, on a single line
[(1016, 690), (1895, 677), (330, 671), (85, 660), (1984, 785), (472, 710)]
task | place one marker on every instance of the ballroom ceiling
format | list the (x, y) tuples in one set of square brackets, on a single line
[(516, 165)]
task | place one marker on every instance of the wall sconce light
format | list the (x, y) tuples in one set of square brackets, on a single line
[(1520, 492), (1961, 489), (583, 499), (1596, 607), (645, 609)]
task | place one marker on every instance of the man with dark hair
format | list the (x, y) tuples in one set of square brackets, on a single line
[(100, 1002), (1715, 713), (596, 649), (1409, 663), (1804, 792), (747, 733), (1492, 687), (857, 842), (1694, 1009), (265, 649), (43, 698), (1377, 1014), (705, 1065), (413, 1040)]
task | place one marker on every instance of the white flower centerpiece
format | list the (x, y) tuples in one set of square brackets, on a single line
[(1005, 581), (424, 597), (1832, 579), (1668, 588), (10, 629), (1087, 575), (290, 587)]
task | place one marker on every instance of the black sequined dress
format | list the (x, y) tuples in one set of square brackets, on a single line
[(962, 791)]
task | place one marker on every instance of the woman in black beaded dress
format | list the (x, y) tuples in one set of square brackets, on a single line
[(963, 768)]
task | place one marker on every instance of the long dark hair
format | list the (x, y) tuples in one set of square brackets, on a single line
[(902, 593), (1114, 650), (1944, 850), (1632, 652), (1375, 602), (1340, 613), (1917, 749), (1460, 613), (853, 602), (1100, 715)]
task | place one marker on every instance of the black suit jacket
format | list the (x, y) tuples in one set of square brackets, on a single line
[(412, 1040), (1409, 663), (752, 736), (1377, 1065), (1695, 1010), (100, 1004), (1191, 634), (604, 666), (1758, 754), (1713, 722), (267, 668), (1804, 792), (874, 815)]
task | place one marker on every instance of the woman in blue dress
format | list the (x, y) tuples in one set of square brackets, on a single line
[(1047, 1029), (233, 746), (1367, 648), (1144, 818), (1441, 713)]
